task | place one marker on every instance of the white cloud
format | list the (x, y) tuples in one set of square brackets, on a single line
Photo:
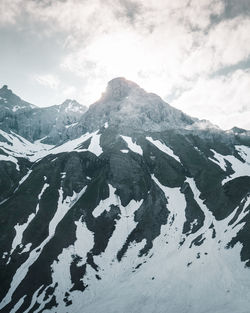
[(69, 91), (48, 80), (168, 47), (224, 100), (9, 10)]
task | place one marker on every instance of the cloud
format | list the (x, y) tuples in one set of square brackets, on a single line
[(48, 80), (174, 48), (9, 9), (166, 49), (69, 91), (224, 100)]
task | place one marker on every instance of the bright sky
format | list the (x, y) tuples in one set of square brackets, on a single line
[(195, 54)]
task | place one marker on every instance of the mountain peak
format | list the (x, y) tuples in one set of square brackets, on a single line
[(67, 101), (119, 88), (126, 105), (5, 91), (70, 105)]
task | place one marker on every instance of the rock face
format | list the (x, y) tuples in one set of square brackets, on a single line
[(127, 106), (32, 122), (141, 212)]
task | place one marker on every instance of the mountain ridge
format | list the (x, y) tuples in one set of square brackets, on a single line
[(118, 218), (34, 123)]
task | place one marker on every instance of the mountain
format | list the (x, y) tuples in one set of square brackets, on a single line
[(142, 209), (130, 108), (32, 122)]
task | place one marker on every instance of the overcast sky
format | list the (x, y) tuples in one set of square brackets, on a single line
[(194, 53)]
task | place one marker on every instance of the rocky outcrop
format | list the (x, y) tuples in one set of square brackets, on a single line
[(127, 106)]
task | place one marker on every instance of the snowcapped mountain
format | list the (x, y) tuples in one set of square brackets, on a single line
[(31, 122), (137, 208)]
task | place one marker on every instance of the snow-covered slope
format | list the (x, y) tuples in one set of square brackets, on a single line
[(119, 220)]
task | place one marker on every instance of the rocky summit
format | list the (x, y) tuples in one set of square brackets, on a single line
[(127, 206)]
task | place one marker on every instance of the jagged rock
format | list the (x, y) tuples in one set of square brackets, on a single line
[(127, 106)]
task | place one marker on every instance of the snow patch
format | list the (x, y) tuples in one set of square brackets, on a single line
[(164, 148), (94, 146), (74, 145), (240, 168), (10, 159), (20, 228), (219, 160), (71, 125), (105, 204), (84, 241), (132, 145), (17, 146)]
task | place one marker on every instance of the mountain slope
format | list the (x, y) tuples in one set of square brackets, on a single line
[(35, 123), (124, 219), (127, 106)]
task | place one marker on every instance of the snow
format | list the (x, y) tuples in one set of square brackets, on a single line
[(18, 305), (61, 267), (71, 125), (84, 244), (17, 107), (41, 300), (197, 149), (26, 248), (176, 273), (18, 146), (63, 207), (124, 226), (177, 286), (188, 287), (176, 206), (84, 241), (24, 178), (219, 159), (171, 275), (74, 107), (20, 228), (34, 299), (5, 254), (105, 204), (244, 152), (4, 100), (240, 168), (10, 159), (94, 146), (164, 148), (74, 145), (132, 146), (43, 145)]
